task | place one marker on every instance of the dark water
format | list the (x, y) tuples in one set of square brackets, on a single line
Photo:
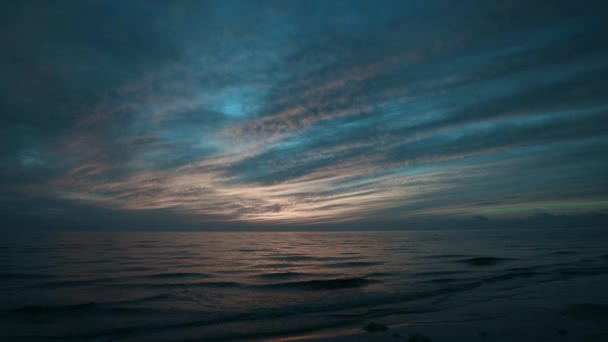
[(233, 286)]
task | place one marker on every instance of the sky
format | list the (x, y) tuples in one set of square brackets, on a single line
[(221, 115)]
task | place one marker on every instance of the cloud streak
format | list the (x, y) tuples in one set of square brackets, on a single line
[(311, 113)]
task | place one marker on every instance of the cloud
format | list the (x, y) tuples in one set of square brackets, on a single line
[(310, 112)]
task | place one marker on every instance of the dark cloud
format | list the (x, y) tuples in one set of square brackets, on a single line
[(305, 112)]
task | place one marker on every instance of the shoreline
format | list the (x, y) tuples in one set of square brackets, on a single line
[(561, 310)]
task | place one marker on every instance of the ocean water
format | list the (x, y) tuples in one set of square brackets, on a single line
[(263, 285)]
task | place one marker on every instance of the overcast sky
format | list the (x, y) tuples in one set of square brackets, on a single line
[(303, 114)]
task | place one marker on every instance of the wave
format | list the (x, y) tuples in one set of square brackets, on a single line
[(280, 275), (162, 296), (224, 284), (293, 257), (37, 309), (380, 274), (445, 256), (565, 253), (18, 275), (69, 283), (250, 250), (443, 280), (187, 257), (354, 264), (275, 265), (177, 275), (301, 257), (573, 271), (333, 309), (482, 261), (524, 269), (437, 273), (91, 306), (311, 285), (510, 276), (329, 284)]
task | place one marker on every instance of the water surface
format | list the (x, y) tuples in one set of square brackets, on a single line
[(234, 286)]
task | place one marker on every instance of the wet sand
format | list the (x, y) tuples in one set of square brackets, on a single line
[(563, 310)]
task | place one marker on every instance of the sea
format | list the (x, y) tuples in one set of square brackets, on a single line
[(233, 286)]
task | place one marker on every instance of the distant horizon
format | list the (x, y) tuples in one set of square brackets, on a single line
[(320, 230), (534, 222)]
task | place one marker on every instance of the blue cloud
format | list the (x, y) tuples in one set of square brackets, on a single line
[(307, 112)]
